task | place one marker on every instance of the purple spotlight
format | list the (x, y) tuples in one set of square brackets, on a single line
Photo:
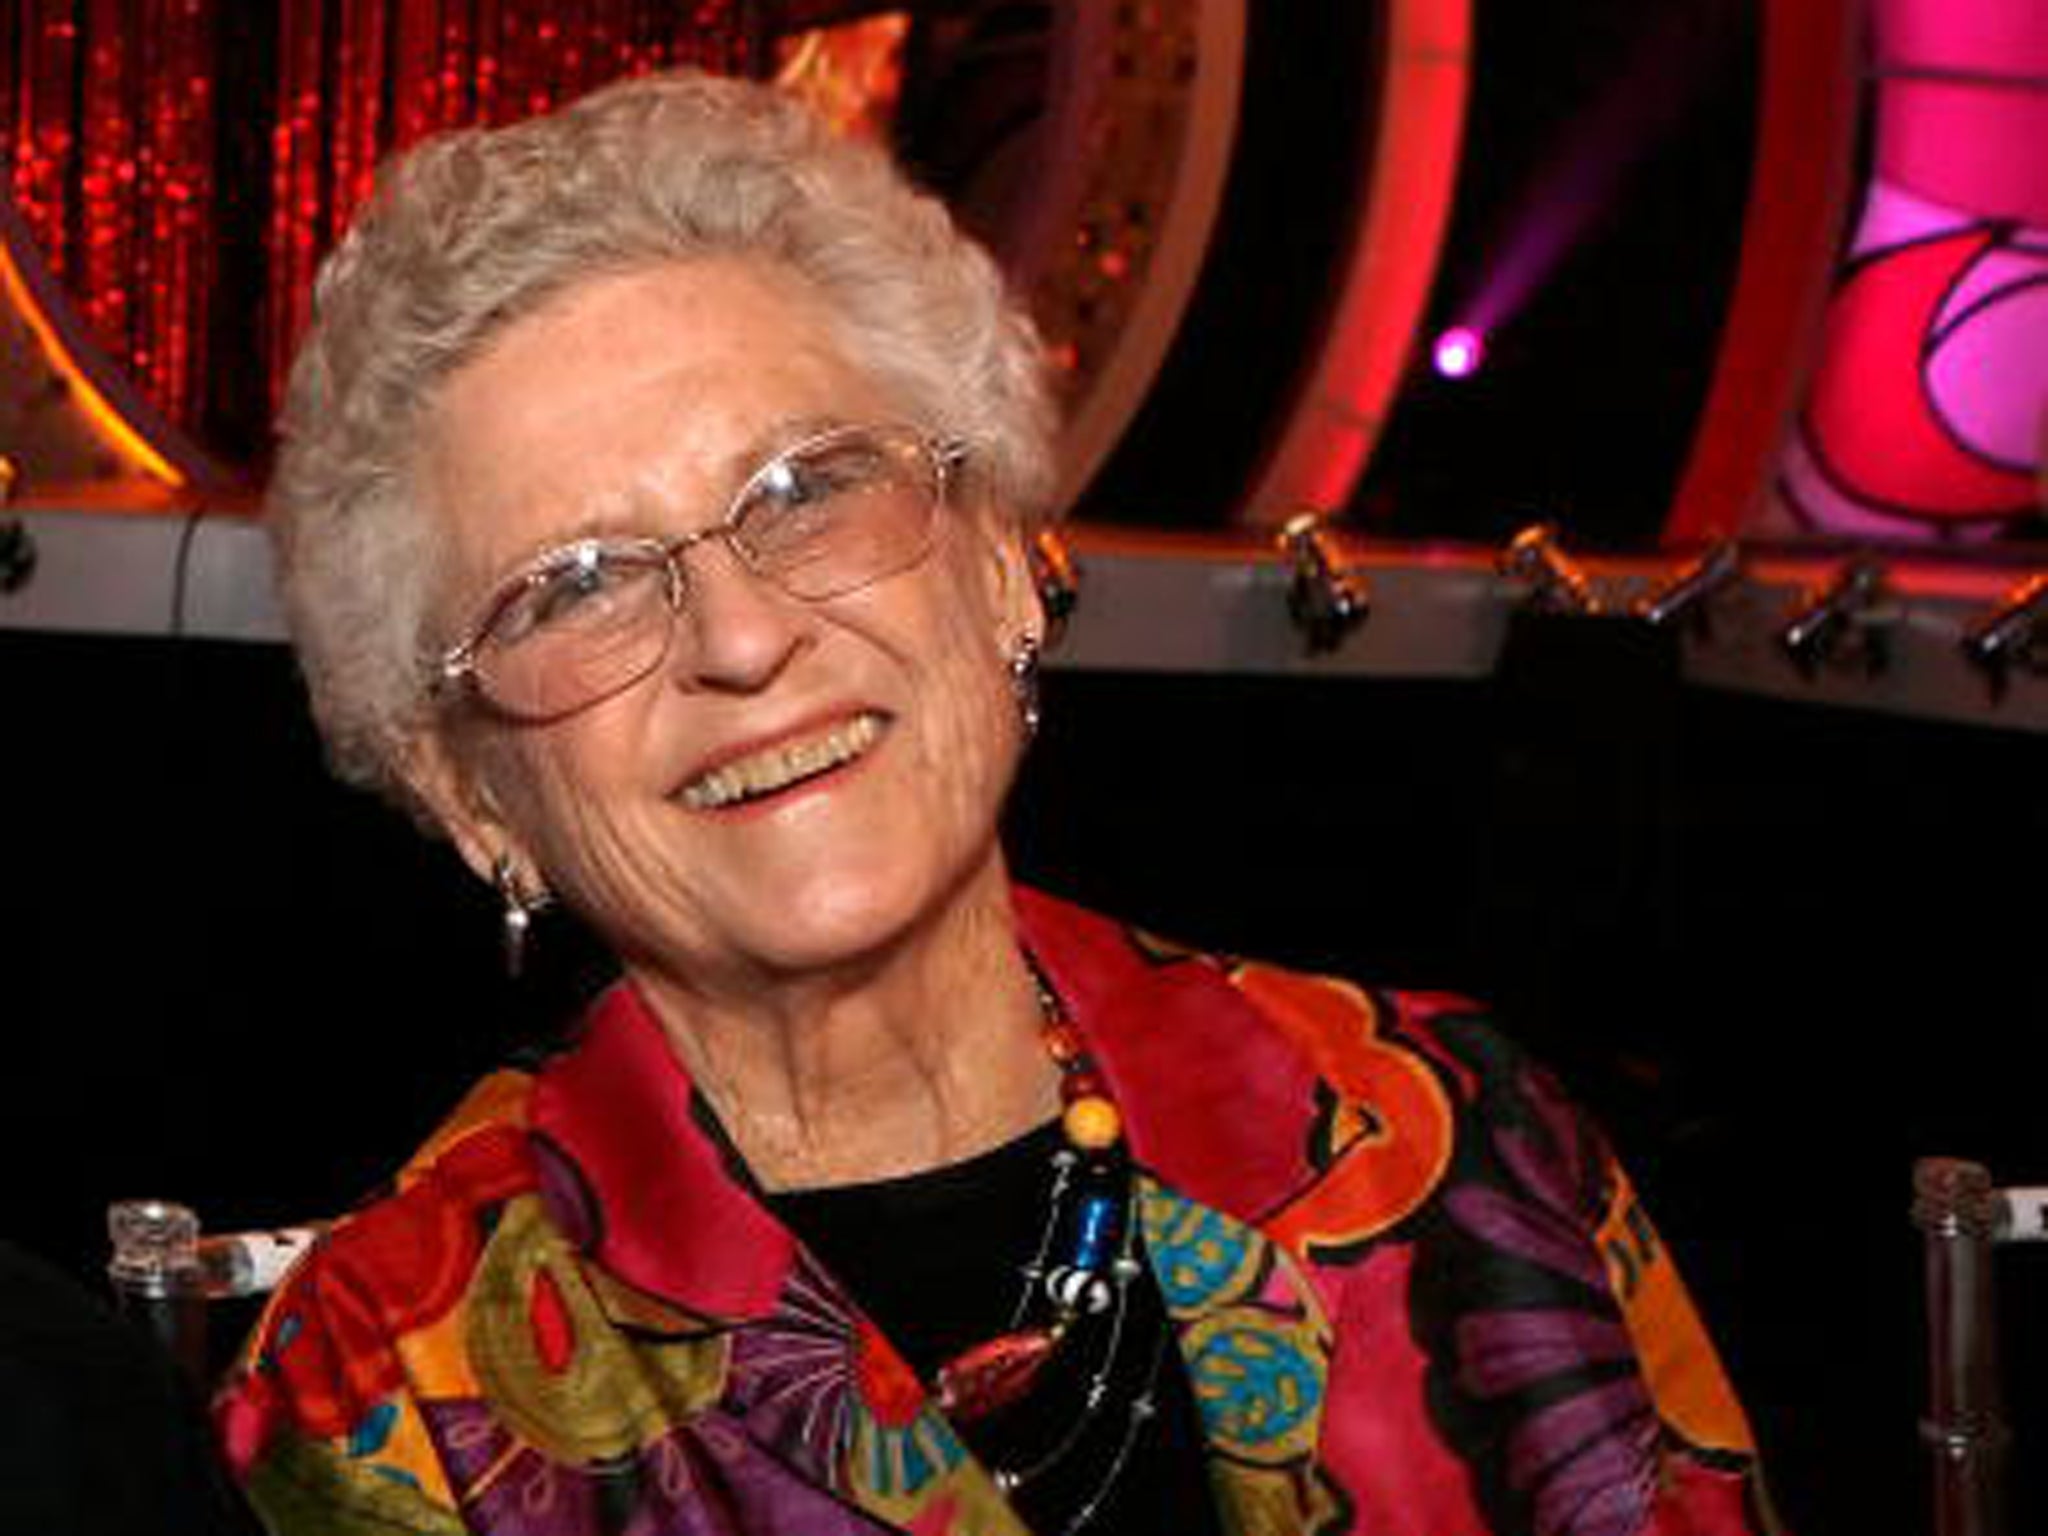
[(1459, 352)]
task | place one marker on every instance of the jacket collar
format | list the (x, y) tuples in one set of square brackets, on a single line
[(667, 1207), (1201, 1081), (1206, 1086)]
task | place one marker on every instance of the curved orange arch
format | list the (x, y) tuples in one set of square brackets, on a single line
[(1799, 197), (1406, 197), (141, 441)]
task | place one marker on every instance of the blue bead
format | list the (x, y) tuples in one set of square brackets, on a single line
[(1095, 1230)]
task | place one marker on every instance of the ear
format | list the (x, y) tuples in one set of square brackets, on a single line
[(450, 787), (1012, 587)]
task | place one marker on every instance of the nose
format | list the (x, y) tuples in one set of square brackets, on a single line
[(737, 631)]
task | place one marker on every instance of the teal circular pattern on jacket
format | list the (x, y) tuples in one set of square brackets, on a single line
[(1259, 1382), (1201, 1257)]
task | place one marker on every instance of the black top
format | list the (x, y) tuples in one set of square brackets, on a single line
[(935, 1260)]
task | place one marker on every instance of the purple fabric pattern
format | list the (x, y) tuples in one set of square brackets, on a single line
[(793, 1376), (1504, 1352), (1537, 1356), (706, 1477)]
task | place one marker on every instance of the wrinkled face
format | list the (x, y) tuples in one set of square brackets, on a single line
[(799, 784)]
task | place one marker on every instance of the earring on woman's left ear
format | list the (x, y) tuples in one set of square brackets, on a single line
[(515, 917), (1024, 657), (1056, 575)]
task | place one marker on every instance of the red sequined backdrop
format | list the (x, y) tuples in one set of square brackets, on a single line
[(185, 163), (110, 115)]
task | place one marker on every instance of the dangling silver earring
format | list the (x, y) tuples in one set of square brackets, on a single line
[(1024, 682), (515, 918)]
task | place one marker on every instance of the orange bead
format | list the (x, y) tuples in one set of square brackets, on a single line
[(1092, 1124)]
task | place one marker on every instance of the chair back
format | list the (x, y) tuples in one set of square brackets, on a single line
[(166, 1272), (1963, 1216)]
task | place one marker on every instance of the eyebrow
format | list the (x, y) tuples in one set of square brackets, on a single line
[(623, 516), (778, 437)]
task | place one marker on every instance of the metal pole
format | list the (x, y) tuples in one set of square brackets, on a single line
[(1958, 1213), (157, 1277)]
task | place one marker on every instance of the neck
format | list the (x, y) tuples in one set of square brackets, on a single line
[(922, 1055)]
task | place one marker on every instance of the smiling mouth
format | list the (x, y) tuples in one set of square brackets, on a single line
[(780, 767)]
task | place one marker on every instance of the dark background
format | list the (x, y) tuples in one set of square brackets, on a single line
[(1780, 950), (1628, 127)]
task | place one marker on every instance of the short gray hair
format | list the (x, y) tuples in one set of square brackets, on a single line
[(472, 230)]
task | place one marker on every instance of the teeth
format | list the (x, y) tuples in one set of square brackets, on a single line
[(778, 767)]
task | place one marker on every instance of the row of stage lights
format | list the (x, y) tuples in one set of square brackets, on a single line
[(1846, 614), (1847, 617)]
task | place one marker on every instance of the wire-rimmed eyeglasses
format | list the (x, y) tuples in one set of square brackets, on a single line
[(823, 517)]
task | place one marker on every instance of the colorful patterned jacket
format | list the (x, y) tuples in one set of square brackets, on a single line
[(1414, 1294)]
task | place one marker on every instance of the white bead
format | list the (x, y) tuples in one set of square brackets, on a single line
[(1078, 1290)]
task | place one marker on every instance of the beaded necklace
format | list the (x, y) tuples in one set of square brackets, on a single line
[(1083, 1266)]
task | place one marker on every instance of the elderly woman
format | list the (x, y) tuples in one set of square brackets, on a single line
[(652, 516)]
